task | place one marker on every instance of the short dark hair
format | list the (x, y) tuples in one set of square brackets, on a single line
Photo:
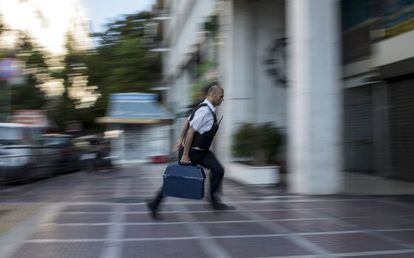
[(204, 90), (214, 89)]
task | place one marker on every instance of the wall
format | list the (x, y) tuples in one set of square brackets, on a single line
[(182, 33), (182, 30), (393, 49), (270, 95), (155, 140), (139, 143), (248, 29)]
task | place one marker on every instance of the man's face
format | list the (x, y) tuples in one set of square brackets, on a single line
[(218, 98)]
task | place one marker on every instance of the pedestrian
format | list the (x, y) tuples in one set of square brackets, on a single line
[(201, 95), (199, 133)]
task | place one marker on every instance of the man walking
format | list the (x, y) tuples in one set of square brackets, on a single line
[(195, 149)]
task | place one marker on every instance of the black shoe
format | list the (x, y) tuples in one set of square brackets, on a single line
[(152, 207), (221, 206)]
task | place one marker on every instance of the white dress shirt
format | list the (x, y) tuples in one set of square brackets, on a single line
[(203, 120)]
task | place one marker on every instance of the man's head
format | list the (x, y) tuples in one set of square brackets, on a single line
[(215, 94)]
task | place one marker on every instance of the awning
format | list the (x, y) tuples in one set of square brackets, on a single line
[(135, 108)]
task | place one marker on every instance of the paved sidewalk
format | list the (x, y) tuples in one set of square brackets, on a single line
[(103, 215)]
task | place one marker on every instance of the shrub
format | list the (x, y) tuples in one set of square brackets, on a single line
[(257, 144)]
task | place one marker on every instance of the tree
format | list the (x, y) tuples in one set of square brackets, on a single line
[(65, 110), (122, 62), (28, 94), (25, 94), (2, 27)]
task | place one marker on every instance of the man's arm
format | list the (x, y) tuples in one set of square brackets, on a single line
[(185, 159), (181, 138), (198, 121)]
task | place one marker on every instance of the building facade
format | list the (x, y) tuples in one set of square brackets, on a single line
[(378, 57), (289, 63)]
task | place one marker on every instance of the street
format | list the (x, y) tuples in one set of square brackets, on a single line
[(102, 214)]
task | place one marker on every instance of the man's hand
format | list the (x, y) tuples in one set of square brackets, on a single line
[(185, 160)]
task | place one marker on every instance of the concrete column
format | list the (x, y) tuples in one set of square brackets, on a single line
[(223, 140), (237, 71), (244, 50), (315, 106)]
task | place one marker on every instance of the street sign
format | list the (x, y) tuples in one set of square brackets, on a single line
[(8, 69)]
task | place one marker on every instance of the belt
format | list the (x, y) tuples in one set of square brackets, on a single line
[(197, 148)]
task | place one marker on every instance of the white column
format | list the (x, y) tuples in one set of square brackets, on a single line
[(223, 139), (236, 69), (243, 63), (315, 107)]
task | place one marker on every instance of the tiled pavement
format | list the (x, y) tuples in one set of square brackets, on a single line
[(103, 215)]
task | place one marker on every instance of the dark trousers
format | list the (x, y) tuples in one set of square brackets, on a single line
[(208, 160)]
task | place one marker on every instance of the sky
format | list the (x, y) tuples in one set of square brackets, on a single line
[(46, 21), (101, 12), (49, 21)]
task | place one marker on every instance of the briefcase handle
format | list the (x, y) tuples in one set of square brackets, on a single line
[(184, 164)]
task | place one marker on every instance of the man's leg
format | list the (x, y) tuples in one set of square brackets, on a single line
[(216, 177), (154, 204)]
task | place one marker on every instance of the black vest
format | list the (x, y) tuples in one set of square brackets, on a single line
[(203, 141)]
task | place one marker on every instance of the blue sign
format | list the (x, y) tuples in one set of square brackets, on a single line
[(148, 97), (8, 68)]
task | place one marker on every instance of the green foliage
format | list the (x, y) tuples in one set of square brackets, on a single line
[(258, 144), (130, 26), (212, 25), (28, 95), (64, 108), (243, 140), (197, 89), (25, 94), (122, 62), (31, 55), (205, 66), (63, 111), (2, 26)]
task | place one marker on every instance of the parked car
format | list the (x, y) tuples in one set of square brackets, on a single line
[(22, 155), (68, 154), (96, 152)]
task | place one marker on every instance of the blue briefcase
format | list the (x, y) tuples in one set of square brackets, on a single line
[(184, 181)]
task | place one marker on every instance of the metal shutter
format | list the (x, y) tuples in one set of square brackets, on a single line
[(358, 130), (402, 128)]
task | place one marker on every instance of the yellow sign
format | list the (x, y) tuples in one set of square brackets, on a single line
[(399, 28)]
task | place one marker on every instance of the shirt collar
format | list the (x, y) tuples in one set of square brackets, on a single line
[(209, 105)]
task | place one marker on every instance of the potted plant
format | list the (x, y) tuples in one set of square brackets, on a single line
[(255, 148)]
